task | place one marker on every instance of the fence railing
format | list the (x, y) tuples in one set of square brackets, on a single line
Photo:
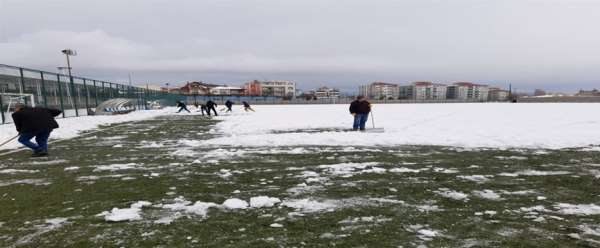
[(75, 96)]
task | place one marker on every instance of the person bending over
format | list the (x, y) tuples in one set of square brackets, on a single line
[(35, 123)]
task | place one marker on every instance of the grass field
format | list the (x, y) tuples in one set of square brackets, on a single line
[(327, 196)]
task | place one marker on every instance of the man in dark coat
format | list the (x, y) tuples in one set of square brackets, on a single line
[(210, 105), (229, 104), (247, 106), (35, 122), (360, 109), (182, 106)]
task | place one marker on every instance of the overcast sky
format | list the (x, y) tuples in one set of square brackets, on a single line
[(550, 44)]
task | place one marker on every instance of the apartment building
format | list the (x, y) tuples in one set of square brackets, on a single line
[(380, 91), (271, 88), (428, 91), (326, 93), (467, 91)]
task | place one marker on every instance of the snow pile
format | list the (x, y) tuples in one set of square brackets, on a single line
[(71, 127), (487, 194), (308, 205), (263, 201), (579, 209), (125, 214), (455, 195), (544, 125), (349, 169), (235, 203)]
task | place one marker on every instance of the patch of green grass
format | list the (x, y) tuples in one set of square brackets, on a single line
[(165, 169)]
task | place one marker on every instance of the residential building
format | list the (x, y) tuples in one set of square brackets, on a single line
[(271, 88), (253, 88), (539, 92), (467, 91), (194, 88), (593, 92), (380, 91), (326, 93), (428, 91), (497, 94), (227, 91), (406, 92)]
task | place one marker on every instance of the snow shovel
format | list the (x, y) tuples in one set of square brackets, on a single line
[(11, 139), (374, 129)]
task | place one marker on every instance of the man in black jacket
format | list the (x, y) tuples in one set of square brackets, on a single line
[(35, 122), (229, 104), (360, 109), (210, 105), (182, 106)]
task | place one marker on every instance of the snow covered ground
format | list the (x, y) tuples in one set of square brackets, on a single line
[(495, 125), (71, 127)]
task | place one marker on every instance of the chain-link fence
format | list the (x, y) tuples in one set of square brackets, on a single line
[(75, 96)]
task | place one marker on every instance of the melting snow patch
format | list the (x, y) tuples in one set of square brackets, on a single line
[(15, 171), (456, 195), (51, 162), (307, 205), (276, 225), (405, 170), (476, 178), (580, 209), (115, 167), (72, 168), (125, 214), (349, 169), (487, 194), (235, 203), (541, 173), (263, 201)]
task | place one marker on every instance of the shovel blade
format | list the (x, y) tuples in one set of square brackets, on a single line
[(375, 130)]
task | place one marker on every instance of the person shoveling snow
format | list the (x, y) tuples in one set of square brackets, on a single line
[(35, 122), (360, 109)]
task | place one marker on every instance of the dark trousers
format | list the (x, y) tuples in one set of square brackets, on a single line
[(360, 120), (41, 138), (213, 109), (183, 108), (229, 109)]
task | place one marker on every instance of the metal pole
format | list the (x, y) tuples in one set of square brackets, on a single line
[(87, 95), (95, 93), (22, 83), (44, 89), (73, 93), (2, 110), (62, 107)]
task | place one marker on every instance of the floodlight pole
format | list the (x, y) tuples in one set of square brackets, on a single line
[(69, 52)]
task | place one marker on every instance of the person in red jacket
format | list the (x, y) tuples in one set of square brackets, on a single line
[(360, 109), (35, 122)]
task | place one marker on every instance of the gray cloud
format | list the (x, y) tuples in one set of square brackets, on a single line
[(531, 43)]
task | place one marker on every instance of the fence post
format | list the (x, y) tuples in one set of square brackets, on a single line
[(95, 93), (44, 89), (2, 109), (22, 78), (62, 106), (73, 98), (110, 90), (87, 96)]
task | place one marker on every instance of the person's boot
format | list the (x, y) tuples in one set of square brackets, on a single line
[(38, 154)]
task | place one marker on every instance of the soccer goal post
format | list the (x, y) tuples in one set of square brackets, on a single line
[(9, 100)]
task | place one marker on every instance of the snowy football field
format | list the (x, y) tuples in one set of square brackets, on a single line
[(442, 175)]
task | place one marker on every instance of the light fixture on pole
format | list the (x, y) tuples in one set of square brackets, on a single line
[(69, 52)]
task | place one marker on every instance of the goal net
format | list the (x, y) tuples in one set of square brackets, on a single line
[(9, 100)]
